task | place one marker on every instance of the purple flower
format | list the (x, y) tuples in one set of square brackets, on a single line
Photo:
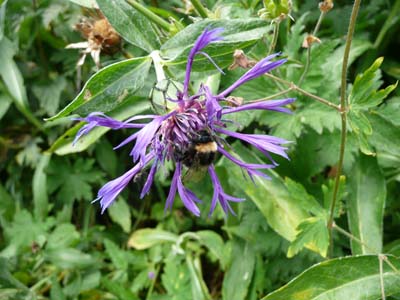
[(191, 135)]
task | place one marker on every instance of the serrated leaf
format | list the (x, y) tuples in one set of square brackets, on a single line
[(355, 278), (366, 202), (386, 135), (271, 197), (149, 237), (63, 236), (311, 231), (130, 24), (305, 200), (117, 255), (49, 94), (365, 93), (109, 88), (73, 181), (237, 34), (118, 289), (176, 279)]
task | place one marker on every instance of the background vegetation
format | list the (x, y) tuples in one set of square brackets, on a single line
[(56, 245)]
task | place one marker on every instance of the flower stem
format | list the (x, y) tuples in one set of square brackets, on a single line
[(343, 114), (200, 8), (274, 37), (321, 17), (304, 92), (352, 237), (272, 96), (149, 14), (307, 66)]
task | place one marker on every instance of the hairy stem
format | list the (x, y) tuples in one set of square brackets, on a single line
[(307, 66), (200, 8), (343, 114), (304, 92), (274, 37), (149, 14)]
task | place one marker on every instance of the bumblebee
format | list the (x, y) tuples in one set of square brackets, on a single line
[(200, 153)]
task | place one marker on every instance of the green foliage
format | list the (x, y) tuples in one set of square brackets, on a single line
[(55, 244)]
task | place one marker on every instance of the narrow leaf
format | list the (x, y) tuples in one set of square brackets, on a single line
[(366, 202), (39, 188), (148, 237), (109, 88), (355, 278)]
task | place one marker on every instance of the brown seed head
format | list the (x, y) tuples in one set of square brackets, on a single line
[(325, 6)]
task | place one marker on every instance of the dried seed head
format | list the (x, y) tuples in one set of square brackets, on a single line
[(325, 6), (309, 40), (240, 60)]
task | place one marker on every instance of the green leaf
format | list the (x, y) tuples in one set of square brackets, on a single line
[(386, 134), (10, 73), (305, 200), (238, 276), (2, 18), (311, 231), (73, 181), (176, 279), (130, 24), (63, 236), (5, 102), (362, 129), (199, 287), (366, 202), (8, 204), (109, 88), (118, 289), (365, 93), (328, 190), (63, 145), (120, 213), (69, 258), (355, 278), (282, 211), (213, 242), (49, 94), (39, 188), (149, 237), (237, 34), (117, 255), (24, 231), (86, 3)]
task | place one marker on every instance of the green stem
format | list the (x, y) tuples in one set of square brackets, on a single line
[(352, 237), (274, 37), (343, 114), (380, 257), (321, 17), (200, 8), (307, 66), (149, 14), (272, 96), (304, 92)]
